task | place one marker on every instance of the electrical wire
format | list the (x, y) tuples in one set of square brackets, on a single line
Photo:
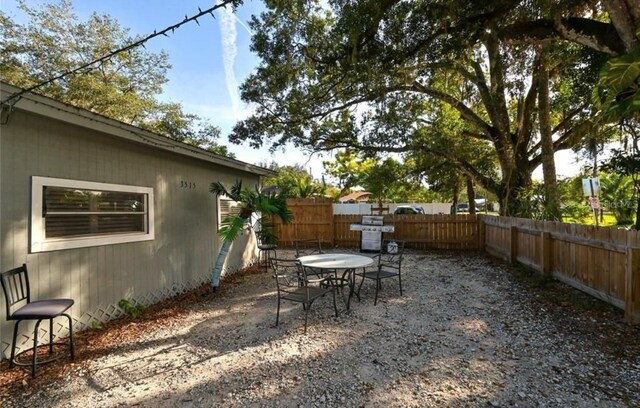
[(89, 66)]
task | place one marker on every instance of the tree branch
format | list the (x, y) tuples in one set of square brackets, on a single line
[(464, 110), (594, 34)]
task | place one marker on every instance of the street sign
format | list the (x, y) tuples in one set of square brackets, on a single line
[(594, 202), (591, 187)]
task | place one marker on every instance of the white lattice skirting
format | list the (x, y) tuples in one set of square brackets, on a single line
[(103, 314)]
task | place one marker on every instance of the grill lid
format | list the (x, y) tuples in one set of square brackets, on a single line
[(372, 220)]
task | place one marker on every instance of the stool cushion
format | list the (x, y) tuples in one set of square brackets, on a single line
[(267, 247), (42, 309)]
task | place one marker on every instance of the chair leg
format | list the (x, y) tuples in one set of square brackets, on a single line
[(13, 347), (35, 348), (361, 282), (351, 282), (375, 300), (335, 306), (306, 317), (400, 282), (354, 283), (71, 347), (278, 311), (51, 336)]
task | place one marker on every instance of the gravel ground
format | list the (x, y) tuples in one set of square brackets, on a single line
[(469, 331)]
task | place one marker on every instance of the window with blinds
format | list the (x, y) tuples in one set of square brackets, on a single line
[(72, 213), (228, 207)]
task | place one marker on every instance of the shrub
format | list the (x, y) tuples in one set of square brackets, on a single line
[(130, 309)]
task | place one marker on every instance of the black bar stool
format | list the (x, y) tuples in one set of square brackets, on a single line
[(267, 253), (15, 284)]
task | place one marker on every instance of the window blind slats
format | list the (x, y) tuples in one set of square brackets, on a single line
[(68, 199), (228, 207), (80, 225), (72, 212)]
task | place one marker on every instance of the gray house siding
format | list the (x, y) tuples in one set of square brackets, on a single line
[(180, 256)]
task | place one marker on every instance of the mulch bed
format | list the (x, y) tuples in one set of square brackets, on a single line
[(93, 343)]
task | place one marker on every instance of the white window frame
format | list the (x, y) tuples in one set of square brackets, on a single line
[(39, 242)]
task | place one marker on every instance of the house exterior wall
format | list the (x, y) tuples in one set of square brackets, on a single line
[(181, 255)]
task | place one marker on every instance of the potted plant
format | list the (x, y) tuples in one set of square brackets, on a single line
[(251, 202)]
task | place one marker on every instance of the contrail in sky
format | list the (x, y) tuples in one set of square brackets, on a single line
[(246, 27), (227, 22)]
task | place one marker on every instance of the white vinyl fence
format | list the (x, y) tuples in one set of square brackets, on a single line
[(364, 209)]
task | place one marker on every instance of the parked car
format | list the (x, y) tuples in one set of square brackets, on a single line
[(463, 207), (408, 209)]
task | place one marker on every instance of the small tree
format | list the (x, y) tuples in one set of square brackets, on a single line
[(251, 202)]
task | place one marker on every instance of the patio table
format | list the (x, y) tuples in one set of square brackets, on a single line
[(334, 262)]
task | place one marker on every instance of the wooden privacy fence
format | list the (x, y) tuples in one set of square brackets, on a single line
[(419, 230), (314, 218), (603, 262)]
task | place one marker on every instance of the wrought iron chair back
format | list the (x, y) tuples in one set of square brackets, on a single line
[(308, 246), (294, 285), (389, 265)]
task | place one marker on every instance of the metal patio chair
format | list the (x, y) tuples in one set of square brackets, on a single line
[(294, 285), (389, 265), (309, 246), (17, 295)]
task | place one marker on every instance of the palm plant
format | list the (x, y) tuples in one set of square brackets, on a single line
[(617, 194), (251, 202)]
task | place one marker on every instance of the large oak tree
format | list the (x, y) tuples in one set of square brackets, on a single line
[(364, 75)]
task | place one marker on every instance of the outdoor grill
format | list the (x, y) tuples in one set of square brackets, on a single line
[(371, 228)]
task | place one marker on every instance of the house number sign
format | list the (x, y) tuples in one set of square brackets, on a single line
[(187, 184)]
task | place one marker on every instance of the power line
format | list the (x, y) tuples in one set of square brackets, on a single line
[(89, 66)]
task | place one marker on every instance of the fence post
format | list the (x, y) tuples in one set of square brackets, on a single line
[(513, 253), (545, 253), (332, 226), (632, 286)]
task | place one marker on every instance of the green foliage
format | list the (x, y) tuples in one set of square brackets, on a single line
[(251, 202), (618, 91), (624, 169), (295, 182), (124, 88), (387, 180), (617, 196), (348, 168), (436, 82), (130, 309), (96, 325), (575, 211)]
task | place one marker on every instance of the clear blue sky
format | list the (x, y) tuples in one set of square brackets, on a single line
[(197, 54)]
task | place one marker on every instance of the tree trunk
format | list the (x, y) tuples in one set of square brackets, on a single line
[(625, 17), (471, 194), (514, 193), (222, 256), (217, 269), (456, 197), (552, 201)]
